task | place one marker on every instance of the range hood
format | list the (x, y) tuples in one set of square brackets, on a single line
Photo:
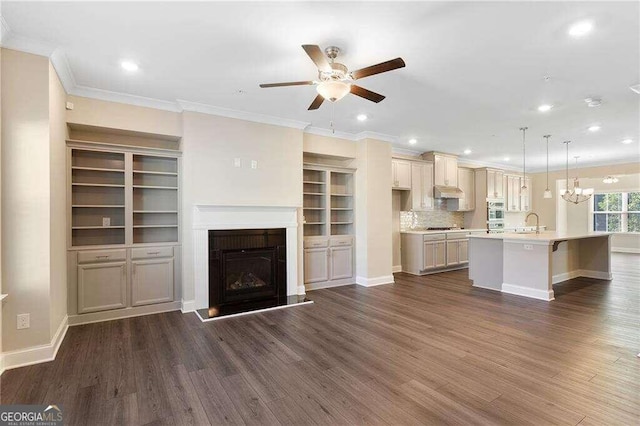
[(442, 191)]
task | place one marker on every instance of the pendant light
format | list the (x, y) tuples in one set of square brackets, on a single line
[(577, 194), (524, 188), (547, 192)]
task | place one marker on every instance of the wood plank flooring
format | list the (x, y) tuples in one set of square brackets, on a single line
[(427, 350)]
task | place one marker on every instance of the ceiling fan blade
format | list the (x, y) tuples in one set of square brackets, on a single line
[(289, 83), (317, 57), (378, 68), (367, 94), (316, 103)]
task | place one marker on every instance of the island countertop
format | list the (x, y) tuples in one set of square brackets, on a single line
[(545, 237), (442, 231)]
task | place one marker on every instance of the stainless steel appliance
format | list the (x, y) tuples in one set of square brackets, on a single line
[(495, 215)]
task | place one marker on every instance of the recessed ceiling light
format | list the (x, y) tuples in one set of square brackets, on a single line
[(467, 151), (594, 128), (627, 141), (412, 141), (506, 158), (580, 28), (129, 66), (362, 117), (593, 102), (635, 88), (545, 108)]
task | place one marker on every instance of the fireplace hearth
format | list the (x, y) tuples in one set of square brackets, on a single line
[(247, 270)]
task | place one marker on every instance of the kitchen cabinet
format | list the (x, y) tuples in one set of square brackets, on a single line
[(513, 193), (421, 197), (463, 251), (401, 174), (341, 262), (152, 281), (467, 183), (452, 253), (435, 255), (525, 196), (102, 286), (445, 170), (495, 184)]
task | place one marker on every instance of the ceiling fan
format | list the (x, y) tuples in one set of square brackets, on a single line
[(335, 80)]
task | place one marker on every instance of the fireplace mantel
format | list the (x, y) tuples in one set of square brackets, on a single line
[(212, 217)]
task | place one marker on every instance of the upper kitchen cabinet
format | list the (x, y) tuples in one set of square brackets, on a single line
[(467, 183), (495, 184), (517, 199), (401, 174), (421, 197), (445, 168)]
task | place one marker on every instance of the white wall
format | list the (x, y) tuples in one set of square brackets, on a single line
[(210, 144), (26, 198)]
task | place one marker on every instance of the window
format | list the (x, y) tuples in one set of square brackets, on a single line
[(616, 212)]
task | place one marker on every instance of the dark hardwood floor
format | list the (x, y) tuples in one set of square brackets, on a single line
[(427, 350)]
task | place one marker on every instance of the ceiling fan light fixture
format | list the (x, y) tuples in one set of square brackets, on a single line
[(333, 90), (610, 179)]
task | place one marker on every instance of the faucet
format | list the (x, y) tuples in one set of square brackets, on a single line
[(537, 221)]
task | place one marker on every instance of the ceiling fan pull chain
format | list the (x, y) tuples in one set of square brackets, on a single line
[(333, 108)]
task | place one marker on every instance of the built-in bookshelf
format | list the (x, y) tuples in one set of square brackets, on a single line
[(120, 196), (328, 203)]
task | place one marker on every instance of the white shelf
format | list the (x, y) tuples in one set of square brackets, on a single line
[(107, 185), (155, 187), (342, 195), (313, 208), (148, 172), (97, 169), (314, 182), (315, 223), (97, 227), (341, 223), (98, 206), (156, 211), (154, 226), (341, 208), (313, 193)]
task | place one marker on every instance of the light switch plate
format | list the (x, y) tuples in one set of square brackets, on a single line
[(23, 321), (106, 221), (237, 162), (254, 164)]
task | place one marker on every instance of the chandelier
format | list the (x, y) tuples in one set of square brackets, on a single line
[(577, 194)]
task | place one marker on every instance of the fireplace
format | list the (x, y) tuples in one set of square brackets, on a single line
[(247, 270)]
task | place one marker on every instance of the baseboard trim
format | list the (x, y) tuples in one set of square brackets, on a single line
[(123, 313), (187, 306), (372, 282), (396, 268), (36, 354), (546, 295), (625, 250), (301, 290), (599, 275), (328, 284)]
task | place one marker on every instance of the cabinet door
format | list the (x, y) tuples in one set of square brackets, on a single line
[(451, 171), (452, 253), (341, 262), (513, 193), (402, 174), (316, 265), (427, 186), (417, 187), (102, 286), (491, 187), (439, 170), (152, 281), (429, 255), (463, 251), (525, 197), (499, 184), (466, 182), (440, 254)]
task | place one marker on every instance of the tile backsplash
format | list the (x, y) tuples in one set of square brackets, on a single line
[(438, 217)]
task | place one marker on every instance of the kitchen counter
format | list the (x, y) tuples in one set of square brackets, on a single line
[(529, 264), (448, 231)]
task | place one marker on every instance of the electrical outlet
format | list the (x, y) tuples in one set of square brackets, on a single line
[(528, 246), (23, 321), (254, 164), (237, 162)]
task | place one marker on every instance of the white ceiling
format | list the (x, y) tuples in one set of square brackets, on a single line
[(474, 71)]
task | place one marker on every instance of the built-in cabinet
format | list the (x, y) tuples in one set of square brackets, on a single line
[(517, 200), (421, 196), (466, 183), (428, 253), (445, 168), (495, 183), (328, 217), (435, 254), (400, 174), (123, 234)]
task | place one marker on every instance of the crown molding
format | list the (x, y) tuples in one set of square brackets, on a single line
[(320, 131), (12, 40), (241, 115), (60, 63), (405, 151), (124, 98), (492, 165), (4, 29), (377, 136)]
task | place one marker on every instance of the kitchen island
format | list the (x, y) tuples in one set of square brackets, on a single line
[(529, 264)]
